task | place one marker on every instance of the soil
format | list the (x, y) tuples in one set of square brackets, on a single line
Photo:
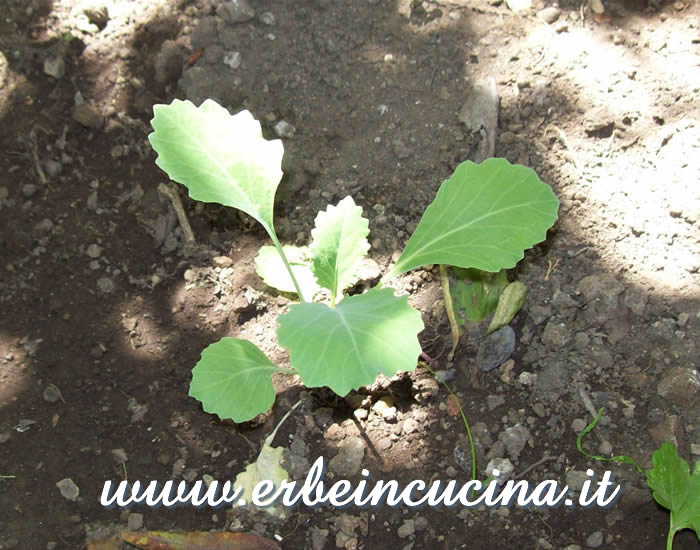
[(106, 308)]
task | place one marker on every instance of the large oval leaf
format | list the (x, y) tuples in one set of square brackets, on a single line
[(484, 216), (348, 346), (233, 379), (218, 157)]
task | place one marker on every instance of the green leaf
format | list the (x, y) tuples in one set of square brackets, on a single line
[(675, 489), (484, 217), (270, 267), (475, 293), (219, 158), (339, 244), (510, 302), (233, 379), (348, 346)]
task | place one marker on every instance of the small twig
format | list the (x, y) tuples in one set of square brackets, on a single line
[(35, 156), (174, 197), (551, 268), (545, 458), (568, 147), (8, 477)]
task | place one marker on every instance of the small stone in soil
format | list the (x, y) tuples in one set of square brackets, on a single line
[(594, 540), (495, 349), (69, 490), (51, 394), (106, 285), (94, 250), (135, 522)]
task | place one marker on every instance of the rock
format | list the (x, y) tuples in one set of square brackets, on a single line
[(495, 401), (267, 18), (134, 522), (51, 394), (515, 438), (680, 386), (318, 538), (552, 381), (503, 465), (575, 479), (106, 285), (601, 294), (406, 529), (233, 60), (594, 540), (348, 461), (556, 336), (561, 26), (549, 15), (495, 349), (284, 129), (421, 523), (53, 168), (605, 448), (599, 123), (97, 14), (410, 426), (88, 116), (69, 490), (578, 425), (168, 62), (635, 300), (401, 150), (55, 66), (519, 6), (204, 34), (94, 250), (235, 11), (29, 190), (479, 112)]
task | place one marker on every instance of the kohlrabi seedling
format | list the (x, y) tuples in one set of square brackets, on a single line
[(483, 217)]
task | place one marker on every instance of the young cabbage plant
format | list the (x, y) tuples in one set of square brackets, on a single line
[(484, 216)]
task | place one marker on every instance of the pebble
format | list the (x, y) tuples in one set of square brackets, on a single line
[(94, 250), (578, 425), (605, 448), (106, 285), (235, 11), (515, 438), (284, 129), (55, 67), (575, 479), (135, 522), (51, 394), (233, 60), (549, 15), (69, 490), (495, 401), (53, 168), (348, 461), (267, 18), (88, 116), (410, 426), (29, 190), (407, 529), (421, 523), (556, 335), (595, 539), (495, 349), (680, 386), (503, 465)]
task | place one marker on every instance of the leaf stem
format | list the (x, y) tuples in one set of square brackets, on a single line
[(280, 251)]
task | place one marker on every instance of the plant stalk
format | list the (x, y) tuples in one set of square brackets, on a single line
[(280, 251)]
